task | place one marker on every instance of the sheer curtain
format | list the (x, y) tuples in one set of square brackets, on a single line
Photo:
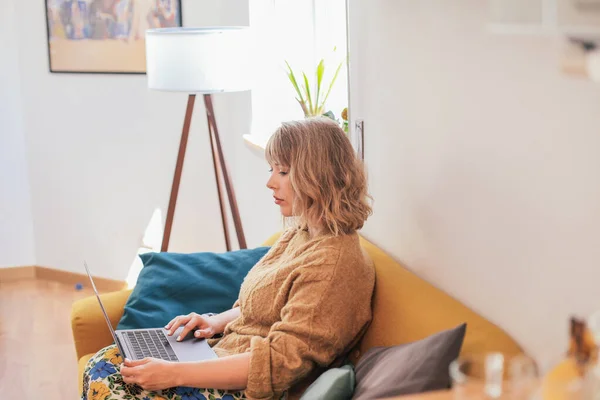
[(300, 32)]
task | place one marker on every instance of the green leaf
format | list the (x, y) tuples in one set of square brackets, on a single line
[(329, 114), (211, 397), (292, 79), (337, 71), (308, 96), (320, 73)]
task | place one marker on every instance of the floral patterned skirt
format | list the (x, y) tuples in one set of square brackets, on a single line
[(102, 381)]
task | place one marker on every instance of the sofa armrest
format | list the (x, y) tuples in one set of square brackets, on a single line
[(90, 332)]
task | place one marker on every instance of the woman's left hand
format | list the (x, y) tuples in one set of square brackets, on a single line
[(149, 373)]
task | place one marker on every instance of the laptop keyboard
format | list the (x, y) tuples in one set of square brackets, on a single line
[(151, 343)]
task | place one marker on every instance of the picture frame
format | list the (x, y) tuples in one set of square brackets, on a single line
[(104, 36)]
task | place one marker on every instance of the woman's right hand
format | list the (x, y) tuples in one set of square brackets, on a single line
[(205, 326)]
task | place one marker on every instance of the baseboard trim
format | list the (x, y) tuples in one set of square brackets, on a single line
[(12, 274)]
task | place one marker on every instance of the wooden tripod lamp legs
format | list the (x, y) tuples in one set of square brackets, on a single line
[(178, 169), (221, 173)]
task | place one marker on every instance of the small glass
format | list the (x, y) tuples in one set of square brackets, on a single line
[(494, 375)]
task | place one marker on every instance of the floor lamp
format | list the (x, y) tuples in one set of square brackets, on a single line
[(199, 61)]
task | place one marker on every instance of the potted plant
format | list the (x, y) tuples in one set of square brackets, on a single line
[(313, 98)]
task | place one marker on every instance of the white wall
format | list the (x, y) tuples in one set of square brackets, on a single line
[(16, 226), (483, 163), (102, 150)]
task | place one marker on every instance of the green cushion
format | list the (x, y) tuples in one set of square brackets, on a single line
[(333, 384), (172, 284)]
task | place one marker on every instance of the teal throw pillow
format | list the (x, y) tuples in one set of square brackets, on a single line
[(172, 284), (333, 384)]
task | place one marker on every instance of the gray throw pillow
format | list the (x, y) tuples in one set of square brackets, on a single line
[(333, 384), (408, 368)]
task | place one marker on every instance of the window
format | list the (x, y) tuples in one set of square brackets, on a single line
[(301, 32)]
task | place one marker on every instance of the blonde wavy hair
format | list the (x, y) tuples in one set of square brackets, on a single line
[(328, 179)]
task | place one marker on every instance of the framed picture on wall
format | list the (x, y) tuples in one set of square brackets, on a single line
[(104, 36)]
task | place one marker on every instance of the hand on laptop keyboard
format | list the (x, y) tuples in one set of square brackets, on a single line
[(204, 326)]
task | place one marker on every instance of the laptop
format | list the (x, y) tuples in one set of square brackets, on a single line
[(136, 344)]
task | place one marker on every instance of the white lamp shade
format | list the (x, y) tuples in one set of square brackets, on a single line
[(197, 60)]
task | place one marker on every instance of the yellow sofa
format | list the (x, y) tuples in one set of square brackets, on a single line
[(406, 308)]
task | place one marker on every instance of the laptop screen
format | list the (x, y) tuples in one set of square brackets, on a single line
[(112, 331)]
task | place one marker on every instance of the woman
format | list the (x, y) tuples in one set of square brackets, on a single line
[(301, 308)]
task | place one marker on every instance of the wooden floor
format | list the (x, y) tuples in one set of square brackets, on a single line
[(37, 356)]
